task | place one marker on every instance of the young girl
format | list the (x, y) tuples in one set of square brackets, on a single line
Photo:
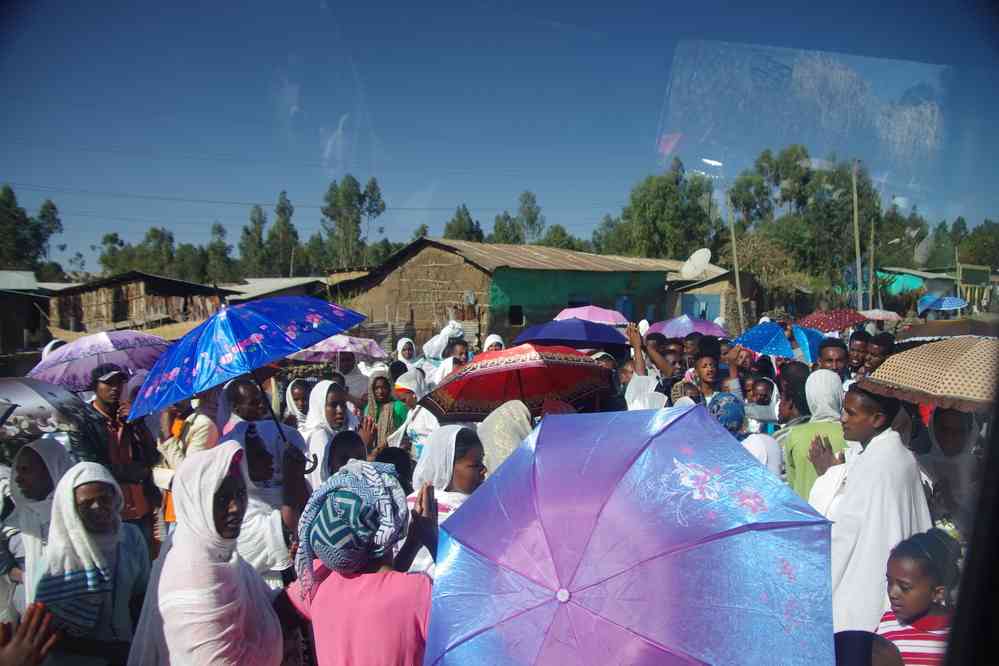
[(921, 572)]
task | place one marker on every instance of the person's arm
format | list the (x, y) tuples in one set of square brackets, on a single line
[(287, 613), (422, 530), (31, 642), (635, 338), (201, 436)]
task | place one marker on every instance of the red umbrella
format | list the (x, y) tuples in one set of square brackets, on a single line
[(530, 373), (828, 321)]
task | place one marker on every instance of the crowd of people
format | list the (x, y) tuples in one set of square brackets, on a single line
[(214, 534)]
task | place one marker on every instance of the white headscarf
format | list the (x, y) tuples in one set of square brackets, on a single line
[(292, 408), (436, 465), (424, 421), (503, 430), (410, 362), (319, 432), (33, 517), (771, 409), (492, 338), (641, 394), (767, 450), (824, 393), (684, 402), (205, 604), (78, 578), (434, 347)]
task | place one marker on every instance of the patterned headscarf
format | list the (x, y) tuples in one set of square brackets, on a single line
[(730, 412), (356, 516)]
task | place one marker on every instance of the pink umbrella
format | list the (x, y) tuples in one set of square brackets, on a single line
[(71, 365), (683, 325), (595, 314), (880, 315), (326, 350)]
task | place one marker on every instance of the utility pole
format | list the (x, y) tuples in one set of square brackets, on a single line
[(291, 269), (856, 241), (735, 263), (871, 269)]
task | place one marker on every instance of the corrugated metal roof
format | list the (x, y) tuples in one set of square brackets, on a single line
[(490, 256), (18, 280), (257, 287), (58, 286), (132, 276), (921, 274)]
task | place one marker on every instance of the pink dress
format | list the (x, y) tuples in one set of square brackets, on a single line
[(377, 619)]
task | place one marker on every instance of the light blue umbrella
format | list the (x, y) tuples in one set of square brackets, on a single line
[(769, 338), (934, 302)]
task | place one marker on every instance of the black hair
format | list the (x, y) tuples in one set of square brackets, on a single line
[(795, 392), (764, 367), (403, 464), (232, 390), (397, 370), (338, 378), (939, 553), (794, 371), (693, 337), (658, 337), (466, 440), (860, 336), (833, 342), (887, 406), (884, 340), (101, 370), (454, 342), (344, 443), (708, 345)]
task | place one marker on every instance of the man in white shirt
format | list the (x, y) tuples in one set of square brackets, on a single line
[(881, 503)]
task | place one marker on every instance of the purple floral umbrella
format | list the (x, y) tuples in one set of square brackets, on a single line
[(328, 350), (71, 365), (682, 326), (640, 538)]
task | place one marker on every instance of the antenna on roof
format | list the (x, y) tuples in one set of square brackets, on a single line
[(696, 264)]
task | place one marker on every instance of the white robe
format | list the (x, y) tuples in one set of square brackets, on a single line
[(882, 503)]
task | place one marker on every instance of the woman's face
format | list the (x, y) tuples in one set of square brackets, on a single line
[(707, 370), (762, 392), (785, 409), (469, 471), (336, 410), (229, 506), (950, 427), (408, 398), (32, 476), (625, 374), (496, 346), (300, 396), (748, 388), (408, 351), (381, 390), (95, 506)]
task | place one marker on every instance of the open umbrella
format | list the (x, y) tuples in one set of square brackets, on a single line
[(72, 364), (828, 321), (529, 373), (595, 314), (948, 328), (575, 333), (958, 373), (933, 302), (640, 538), (682, 326), (41, 408), (236, 341), (769, 338), (328, 350), (880, 315)]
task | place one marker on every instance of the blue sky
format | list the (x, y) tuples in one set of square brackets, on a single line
[(452, 103)]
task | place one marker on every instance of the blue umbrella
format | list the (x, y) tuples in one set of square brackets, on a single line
[(769, 338), (235, 341), (623, 539), (934, 302), (576, 333)]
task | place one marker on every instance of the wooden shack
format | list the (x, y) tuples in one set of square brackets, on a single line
[(132, 300)]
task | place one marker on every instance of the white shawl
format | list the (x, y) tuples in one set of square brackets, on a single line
[(205, 605), (824, 393), (410, 363), (882, 503), (503, 430), (491, 339), (292, 408), (32, 517), (319, 432)]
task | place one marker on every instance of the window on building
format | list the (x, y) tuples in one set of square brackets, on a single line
[(516, 315)]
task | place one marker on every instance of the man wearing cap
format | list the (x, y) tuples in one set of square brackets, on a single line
[(131, 448)]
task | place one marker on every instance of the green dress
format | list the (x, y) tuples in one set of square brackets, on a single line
[(800, 471)]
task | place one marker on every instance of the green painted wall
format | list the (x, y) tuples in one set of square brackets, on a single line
[(542, 294)]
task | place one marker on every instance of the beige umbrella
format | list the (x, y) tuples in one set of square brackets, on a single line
[(959, 373)]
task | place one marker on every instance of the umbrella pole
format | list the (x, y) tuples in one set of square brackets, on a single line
[(270, 409)]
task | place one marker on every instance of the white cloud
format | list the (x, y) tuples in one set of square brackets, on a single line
[(336, 146)]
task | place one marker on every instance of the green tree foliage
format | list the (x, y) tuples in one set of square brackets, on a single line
[(220, 266), (612, 237), (958, 231), (377, 253), (982, 245), (463, 227), (282, 239), (750, 198), (506, 229), (346, 208), (252, 251), (189, 263), (558, 236), (942, 248), (529, 217), (422, 231), (24, 240)]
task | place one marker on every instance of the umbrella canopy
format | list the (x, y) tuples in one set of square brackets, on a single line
[(329, 349), (959, 373), (828, 321), (235, 341), (880, 315), (769, 338), (40, 408), (625, 539), (6, 409), (932, 302), (682, 326), (595, 314), (72, 364), (575, 333), (529, 373)]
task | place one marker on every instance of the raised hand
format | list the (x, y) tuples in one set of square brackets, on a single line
[(821, 454), (31, 643)]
